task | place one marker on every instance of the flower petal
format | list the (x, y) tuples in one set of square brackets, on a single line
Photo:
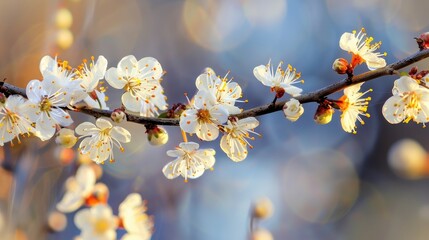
[(112, 77), (121, 134), (393, 110)]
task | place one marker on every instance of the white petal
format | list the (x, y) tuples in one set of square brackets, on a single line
[(220, 114), (348, 42), (248, 123), (47, 64), (82, 218), (103, 123), (189, 146), (70, 202), (131, 103), (373, 61), (114, 79), (150, 67), (61, 117), (175, 153), (85, 177), (292, 90), (100, 67), (127, 63), (206, 156), (262, 73), (406, 84), (86, 128), (352, 90), (169, 170), (46, 127), (235, 150), (393, 110), (207, 131), (34, 91), (189, 121), (121, 134)]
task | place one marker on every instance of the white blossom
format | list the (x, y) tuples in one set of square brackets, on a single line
[(99, 139), (13, 120), (45, 107), (60, 75), (224, 92), (362, 49), (78, 189), (132, 212), (410, 101), (203, 117), (90, 76), (96, 223), (190, 161), (234, 142), (279, 80), (293, 109), (353, 106), (141, 82)]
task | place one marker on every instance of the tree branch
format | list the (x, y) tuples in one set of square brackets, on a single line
[(314, 96)]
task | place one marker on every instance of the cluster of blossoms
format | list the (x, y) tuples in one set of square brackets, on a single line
[(208, 114), (97, 221), (43, 111), (352, 104)]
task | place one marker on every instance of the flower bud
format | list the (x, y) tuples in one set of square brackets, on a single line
[(323, 114), (261, 234), (293, 109), (263, 208), (118, 116), (413, 71), (340, 65), (156, 135), (66, 138), (423, 41)]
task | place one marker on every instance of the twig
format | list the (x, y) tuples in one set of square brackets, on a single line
[(314, 96)]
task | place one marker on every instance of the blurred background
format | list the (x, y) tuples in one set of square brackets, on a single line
[(323, 182)]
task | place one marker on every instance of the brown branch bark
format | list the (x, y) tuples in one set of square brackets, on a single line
[(314, 96)]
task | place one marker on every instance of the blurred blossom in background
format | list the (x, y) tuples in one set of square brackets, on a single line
[(322, 182)]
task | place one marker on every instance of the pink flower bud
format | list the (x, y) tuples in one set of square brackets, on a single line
[(423, 41)]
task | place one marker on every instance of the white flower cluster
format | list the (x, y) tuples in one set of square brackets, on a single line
[(97, 221), (207, 114), (65, 88)]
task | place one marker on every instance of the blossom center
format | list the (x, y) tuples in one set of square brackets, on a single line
[(101, 226), (204, 115), (357, 60), (105, 132), (45, 105), (133, 85), (413, 101), (343, 103)]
